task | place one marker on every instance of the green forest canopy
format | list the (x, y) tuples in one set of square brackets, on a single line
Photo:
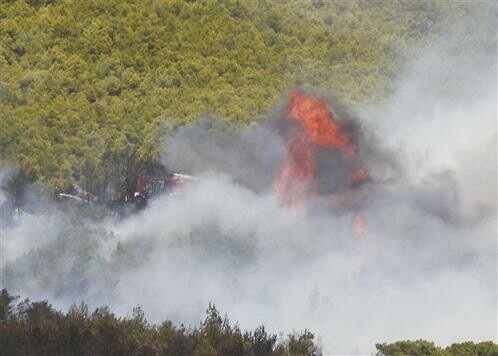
[(86, 86)]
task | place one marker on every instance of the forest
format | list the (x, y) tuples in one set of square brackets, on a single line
[(90, 93), (29, 328), (90, 90)]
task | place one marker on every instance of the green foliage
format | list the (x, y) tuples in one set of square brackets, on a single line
[(425, 348), (85, 86), (6, 304), (487, 348), (37, 329), (301, 345), (412, 348)]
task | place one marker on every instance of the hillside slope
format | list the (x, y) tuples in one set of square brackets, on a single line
[(85, 86)]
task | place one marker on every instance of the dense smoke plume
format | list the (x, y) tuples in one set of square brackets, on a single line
[(426, 267)]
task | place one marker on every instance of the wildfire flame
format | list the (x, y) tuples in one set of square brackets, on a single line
[(316, 127), (358, 177), (359, 225), (318, 124)]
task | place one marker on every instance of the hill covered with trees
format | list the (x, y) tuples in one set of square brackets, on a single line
[(86, 86), (90, 91)]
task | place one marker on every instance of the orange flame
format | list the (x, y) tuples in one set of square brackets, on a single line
[(358, 177), (359, 226), (299, 168), (317, 128), (315, 118)]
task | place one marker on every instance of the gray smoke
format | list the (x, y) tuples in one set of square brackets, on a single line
[(426, 269)]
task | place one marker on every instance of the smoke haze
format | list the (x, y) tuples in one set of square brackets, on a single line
[(426, 269)]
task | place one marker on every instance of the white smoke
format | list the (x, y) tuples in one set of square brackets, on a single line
[(427, 269)]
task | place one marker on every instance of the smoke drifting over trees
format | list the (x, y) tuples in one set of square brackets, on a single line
[(425, 269)]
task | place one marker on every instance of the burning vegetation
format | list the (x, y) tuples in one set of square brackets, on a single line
[(317, 127)]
